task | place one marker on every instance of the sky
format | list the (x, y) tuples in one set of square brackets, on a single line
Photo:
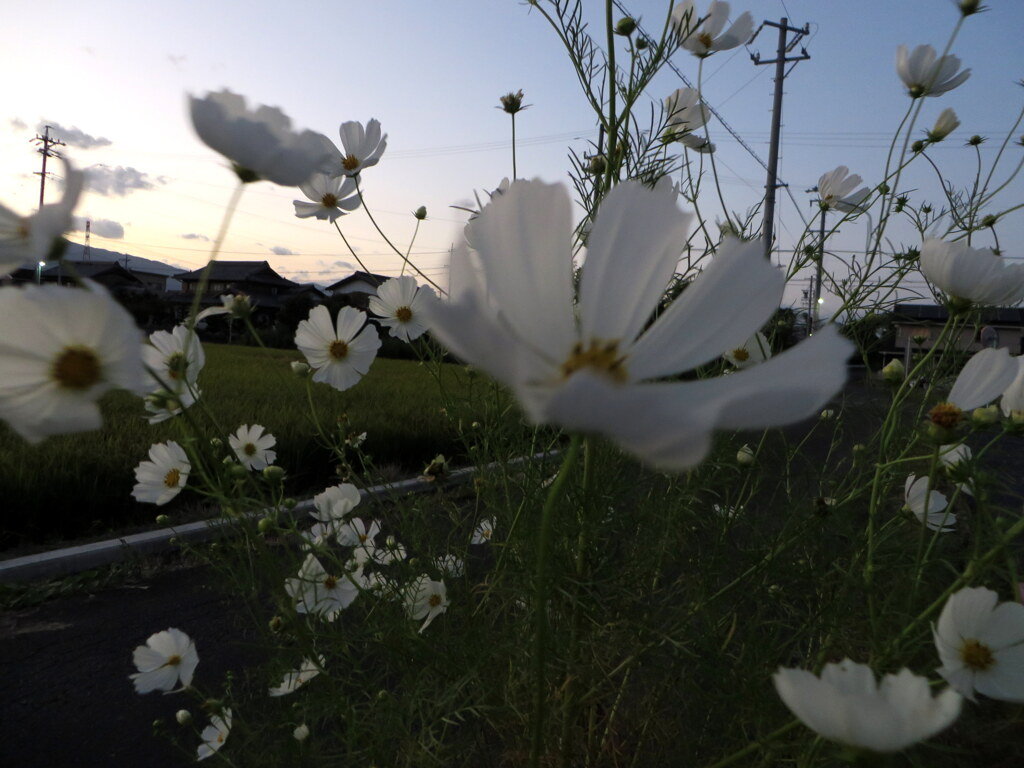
[(113, 82)]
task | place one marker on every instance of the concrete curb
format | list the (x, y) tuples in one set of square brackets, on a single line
[(84, 557)]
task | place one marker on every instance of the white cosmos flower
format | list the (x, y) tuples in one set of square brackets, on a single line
[(164, 404), (426, 599), (164, 476), (34, 238), (837, 190), (167, 658), (977, 275), (259, 142), (751, 352), (335, 502), (946, 123), (214, 734), (686, 113), (981, 644), (846, 705), (1012, 401), (61, 349), (332, 196), (252, 447), (707, 38), (341, 352), (316, 591), (297, 678), (450, 565), (174, 359), (514, 317), (357, 533), (928, 507), (399, 304), (483, 532), (238, 305), (985, 376), (924, 75), (363, 148)]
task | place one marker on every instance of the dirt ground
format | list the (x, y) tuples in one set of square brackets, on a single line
[(63, 659)]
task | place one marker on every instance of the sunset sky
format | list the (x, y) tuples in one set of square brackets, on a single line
[(112, 78)]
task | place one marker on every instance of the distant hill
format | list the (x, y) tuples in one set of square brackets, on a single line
[(75, 253)]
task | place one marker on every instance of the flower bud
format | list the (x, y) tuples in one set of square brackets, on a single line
[(301, 732), (985, 416), (970, 7), (183, 716), (273, 474), (163, 520), (597, 165), (745, 456), (216, 443), (989, 220), (289, 504), (420, 213), (917, 146), (975, 140), (894, 371), (300, 368), (642, 43), (237, 472), (265, 524), (827, 415), (276, 624), (625, 26), (512, 102)]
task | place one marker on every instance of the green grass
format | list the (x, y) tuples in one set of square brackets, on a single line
[(80, 485)]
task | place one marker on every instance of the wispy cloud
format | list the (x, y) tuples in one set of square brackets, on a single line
[(117, 181), (280, 250), (17, 125), (73, 137), (111, 230), (195, 236)]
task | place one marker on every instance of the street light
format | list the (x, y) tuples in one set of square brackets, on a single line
[(39, 272)]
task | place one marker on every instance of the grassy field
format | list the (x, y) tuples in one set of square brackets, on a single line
[(80, 485)]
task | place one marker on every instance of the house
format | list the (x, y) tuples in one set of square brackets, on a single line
[(918, 328), (266, 289), (357, 288)]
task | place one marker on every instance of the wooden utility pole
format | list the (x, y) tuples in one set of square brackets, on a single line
[(779, 61), (46, 150)]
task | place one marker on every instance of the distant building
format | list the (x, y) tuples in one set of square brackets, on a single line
[(358, 288), (918, 327)]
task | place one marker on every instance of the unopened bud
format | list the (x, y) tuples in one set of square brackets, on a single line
[(163, 520), (625, 26), (265, 524), (300, 368), (597, 165), (985, 416), (216, 443), (975, 140), (183, 716), (301, 732), (969, 7), (745, 456), (894, 371), (273, 474), (420, 213), (276, 624)]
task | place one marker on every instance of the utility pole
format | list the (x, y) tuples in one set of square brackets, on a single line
[(779, 61), (87, 250), (46, 150)]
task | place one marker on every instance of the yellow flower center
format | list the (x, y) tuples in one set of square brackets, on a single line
[(741, 355), (173, 661), (362, 537), (76, 367), (330, 582), (177, 364), (338, 349), (434, 601), (249, 449), (601, 356), (22, 229), (404, 314), (976, 656), (329, 201), (172, 478), (705, 39), (350, 162), (220, 737), (945, 415)]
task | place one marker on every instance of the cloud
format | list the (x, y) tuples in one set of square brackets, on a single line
[(17, 125), (345, 265), (73, 137), (111, 230), (194, 236), (280, 250), (116, 182)]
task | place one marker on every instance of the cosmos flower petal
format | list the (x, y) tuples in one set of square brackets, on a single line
[(720, 310), (617, 295), (984, 378)]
